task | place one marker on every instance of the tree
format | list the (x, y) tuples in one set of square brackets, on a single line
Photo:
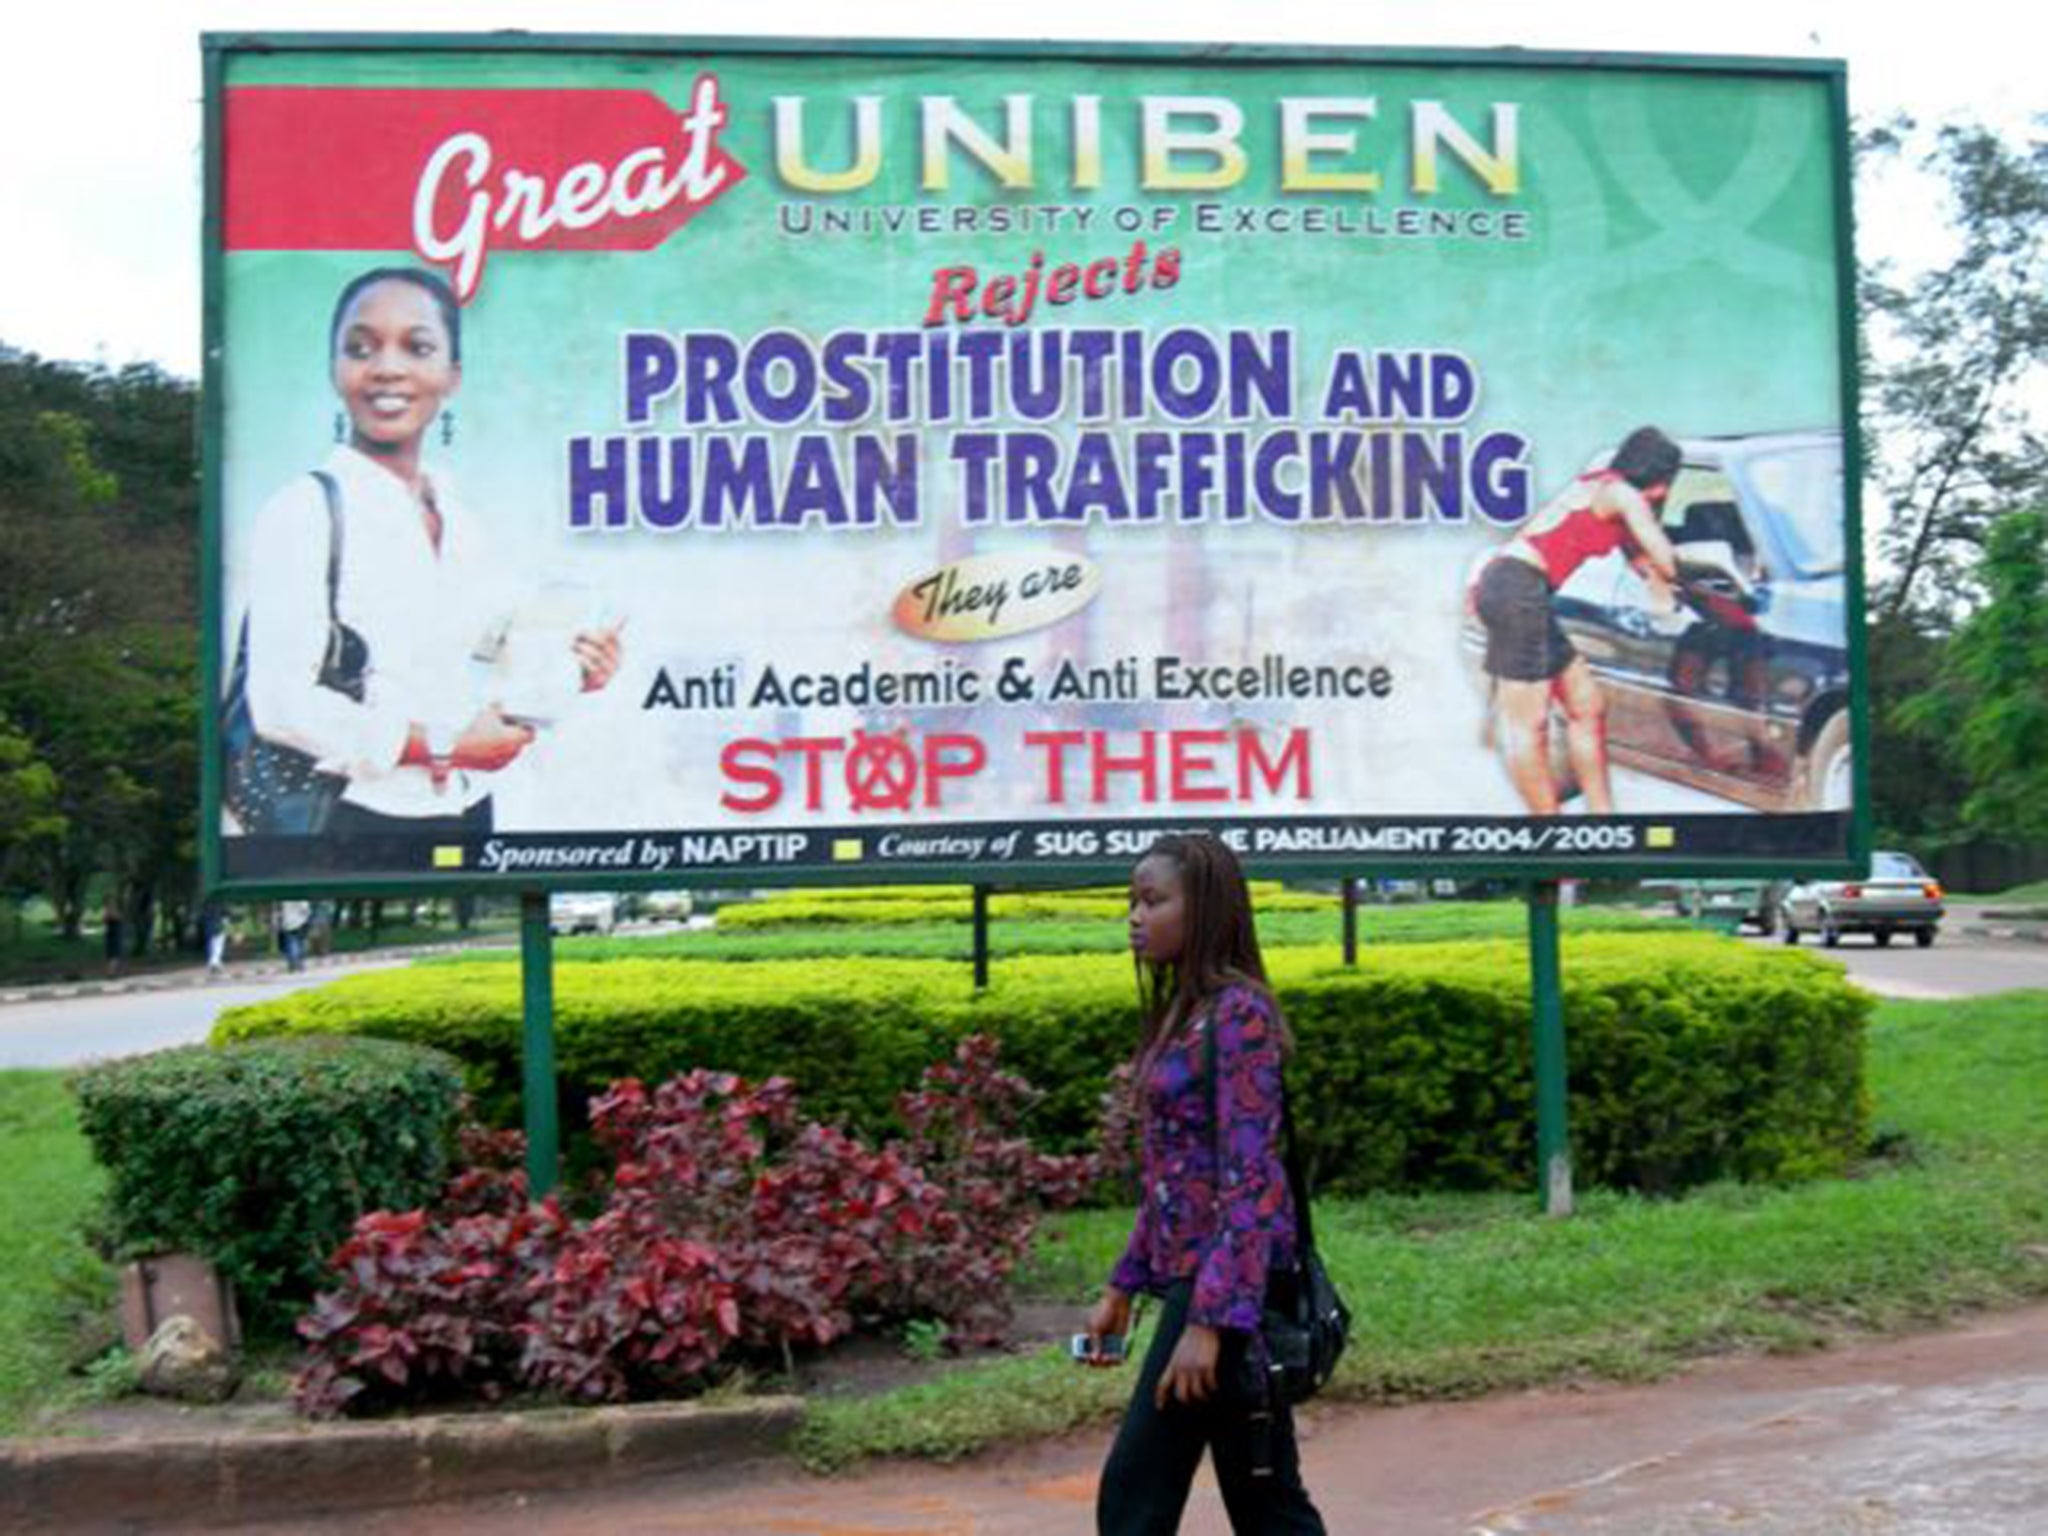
[(1948, 428), (1917, 782), (1993, 702), (31, 825), (1950, 356), (99, 622)]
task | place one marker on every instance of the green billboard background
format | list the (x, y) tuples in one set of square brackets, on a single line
[(1679, 260)]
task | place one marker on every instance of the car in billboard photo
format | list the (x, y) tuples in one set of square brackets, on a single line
[(1897, 897), (1744, 692)]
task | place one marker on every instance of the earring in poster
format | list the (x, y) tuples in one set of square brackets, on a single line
[(447, 428)]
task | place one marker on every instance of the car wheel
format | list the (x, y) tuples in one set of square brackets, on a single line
[(1767, 921), (1830, 935), (1826, 782), (1924, 937), (1883, 937), (1791, 931)]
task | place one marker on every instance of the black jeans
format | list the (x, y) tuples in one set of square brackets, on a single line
[(1152, 1465)]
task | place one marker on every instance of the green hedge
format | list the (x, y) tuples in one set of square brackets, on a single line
[(869, 905), (260, 1155), (1693, 1058)]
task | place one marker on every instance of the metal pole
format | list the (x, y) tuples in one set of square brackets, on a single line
[(980, 938), (537, 976), (1553, 1133), (1351, 921)]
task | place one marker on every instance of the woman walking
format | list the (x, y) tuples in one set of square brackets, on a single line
[(1215, 1217)]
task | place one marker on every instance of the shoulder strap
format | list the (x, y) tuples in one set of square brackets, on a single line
[(332, 491), (1297, 1184)]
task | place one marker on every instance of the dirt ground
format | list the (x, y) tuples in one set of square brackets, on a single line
[(1943, 1434)]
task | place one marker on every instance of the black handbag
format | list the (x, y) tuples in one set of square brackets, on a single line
[(276, 790), (1304, 1323)]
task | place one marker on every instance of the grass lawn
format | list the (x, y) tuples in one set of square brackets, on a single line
[(1453, 1294), (48, 1277), (1456, 1295), (1405, 924)]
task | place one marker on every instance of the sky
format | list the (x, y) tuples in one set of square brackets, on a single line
[(100, 150)]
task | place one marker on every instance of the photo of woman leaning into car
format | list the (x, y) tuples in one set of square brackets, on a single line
[(1530, 659)]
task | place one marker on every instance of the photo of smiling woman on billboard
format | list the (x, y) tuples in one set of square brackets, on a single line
[(353, 708)]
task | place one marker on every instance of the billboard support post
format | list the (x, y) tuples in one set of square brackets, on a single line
[(1351, 921), (980, 938), (537, 1089), (1553, 1134)]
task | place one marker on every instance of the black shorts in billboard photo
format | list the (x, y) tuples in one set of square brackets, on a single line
[(1524, 641)]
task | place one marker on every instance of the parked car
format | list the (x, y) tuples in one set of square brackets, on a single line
[(667, 906), (1736, 902), (1745, 695), (583, 912), (1898, 897)]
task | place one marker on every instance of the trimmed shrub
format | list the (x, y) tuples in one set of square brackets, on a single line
[(867, 905), (261, 1155), (1692, 1058)]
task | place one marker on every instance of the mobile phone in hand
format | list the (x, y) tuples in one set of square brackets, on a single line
[(1108, 1350)]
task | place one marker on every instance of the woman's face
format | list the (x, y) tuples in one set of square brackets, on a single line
[(394, 366), (1158, 911)]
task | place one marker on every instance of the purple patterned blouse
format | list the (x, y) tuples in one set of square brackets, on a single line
[(1181, 1233)]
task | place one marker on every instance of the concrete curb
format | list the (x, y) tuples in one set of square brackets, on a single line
[(135, 1483), (2031, 933), (193, 974), (181, 977)]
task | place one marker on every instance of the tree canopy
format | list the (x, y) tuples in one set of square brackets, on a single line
[(99, 630), (1957, 356)]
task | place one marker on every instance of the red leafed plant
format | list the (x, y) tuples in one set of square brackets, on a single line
[(966, 1133), (630, 1310), (429, 1306), (731, 1227)]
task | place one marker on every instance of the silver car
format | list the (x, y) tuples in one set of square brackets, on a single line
[(1899, 897)]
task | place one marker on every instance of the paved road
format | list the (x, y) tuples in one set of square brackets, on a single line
[(67, 1031), (63, 1026), (1960, 964), (1939, 1435)]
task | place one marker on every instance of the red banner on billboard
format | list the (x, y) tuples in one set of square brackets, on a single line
[(456, 175)]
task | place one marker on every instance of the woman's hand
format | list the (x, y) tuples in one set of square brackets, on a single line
[(1111, 1319), (597, 653), (1191, 1374), (490, 741)]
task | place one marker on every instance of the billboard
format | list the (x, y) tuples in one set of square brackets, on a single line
[(647, 461)]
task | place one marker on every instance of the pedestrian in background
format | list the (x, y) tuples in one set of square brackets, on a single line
[(213, 930), (293, 919), (113, 931)]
